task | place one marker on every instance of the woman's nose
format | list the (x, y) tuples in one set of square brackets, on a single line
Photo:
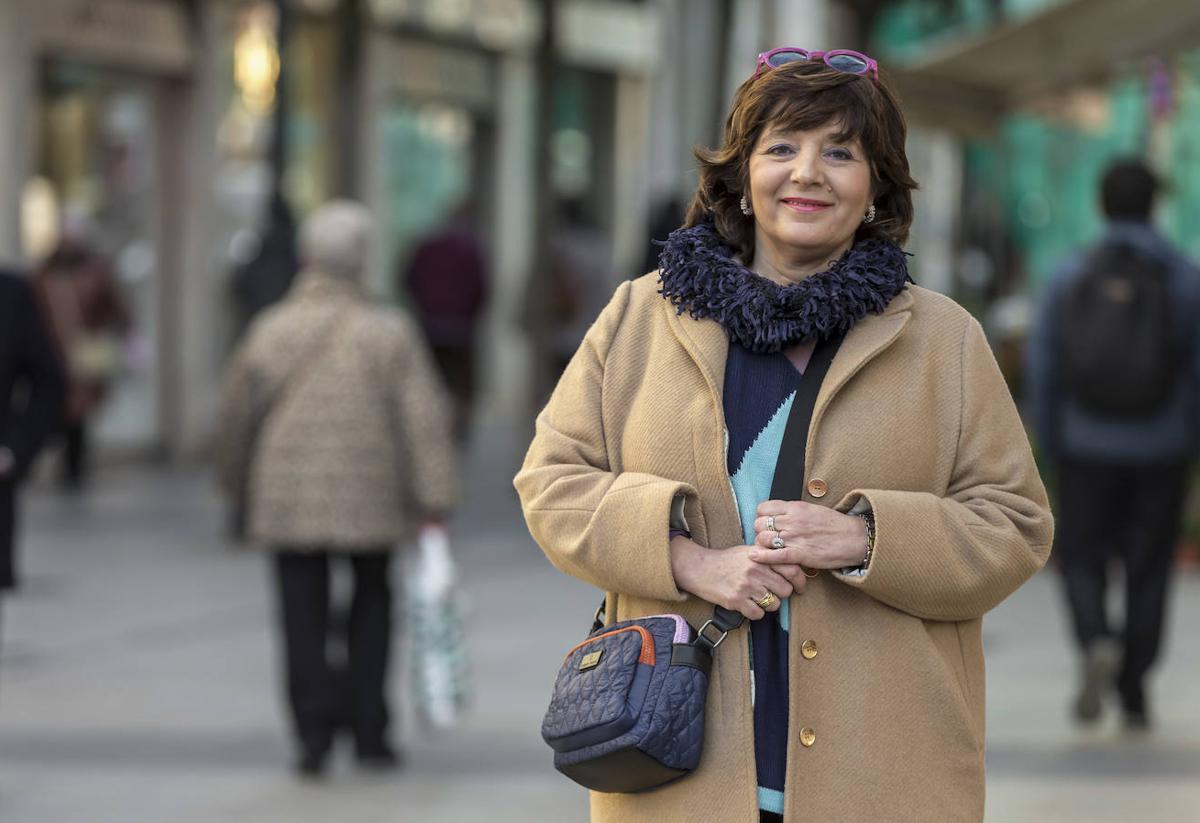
[(806, 170)]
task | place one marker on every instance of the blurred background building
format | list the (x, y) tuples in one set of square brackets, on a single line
[(158, 118)]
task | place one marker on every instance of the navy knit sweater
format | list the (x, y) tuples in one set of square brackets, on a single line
[(759, 391)]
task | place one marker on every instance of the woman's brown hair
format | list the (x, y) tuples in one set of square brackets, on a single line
[(803, 96)]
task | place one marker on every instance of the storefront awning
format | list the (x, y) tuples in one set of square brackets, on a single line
[(968, 85)]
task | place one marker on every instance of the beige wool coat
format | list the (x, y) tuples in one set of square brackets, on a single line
[(356, 447), (913, 415)]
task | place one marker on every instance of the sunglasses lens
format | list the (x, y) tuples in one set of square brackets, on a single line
[(848, 63), (782, 58)]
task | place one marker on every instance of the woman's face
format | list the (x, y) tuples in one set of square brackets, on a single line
[(809, 193)]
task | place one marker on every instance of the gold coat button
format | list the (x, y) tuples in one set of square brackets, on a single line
[(817, 487), (809, 649), (807, 737)]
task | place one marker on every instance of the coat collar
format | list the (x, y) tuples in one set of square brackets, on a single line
[(312, 284), (708, 344)]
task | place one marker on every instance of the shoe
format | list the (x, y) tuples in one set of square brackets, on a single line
[(310, 765), (1135, 721), (1099, 669), (381, 757)]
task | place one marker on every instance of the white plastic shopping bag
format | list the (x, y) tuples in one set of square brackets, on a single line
[(434, 644)]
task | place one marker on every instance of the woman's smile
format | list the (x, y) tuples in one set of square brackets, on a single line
[(805, 205)]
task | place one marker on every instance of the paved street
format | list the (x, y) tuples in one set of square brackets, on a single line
[(138, 681)]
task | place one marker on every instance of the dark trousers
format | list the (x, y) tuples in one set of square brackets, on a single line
[(8, 536), (456, 364), (75, 453), (325, 695), (1131, 512)]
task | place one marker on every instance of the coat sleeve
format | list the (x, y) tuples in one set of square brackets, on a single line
[(423, 415), (956, 557), (38, 366), (240, 411), (608, 528)]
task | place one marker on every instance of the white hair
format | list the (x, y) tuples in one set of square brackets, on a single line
[(336, 237)]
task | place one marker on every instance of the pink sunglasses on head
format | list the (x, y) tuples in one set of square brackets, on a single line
[(843, 60)]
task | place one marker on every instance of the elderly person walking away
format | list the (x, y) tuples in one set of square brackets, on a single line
[(857, 691), (336, 429)]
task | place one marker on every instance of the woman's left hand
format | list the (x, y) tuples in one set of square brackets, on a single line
[(814, 537)]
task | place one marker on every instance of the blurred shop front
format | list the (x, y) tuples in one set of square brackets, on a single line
[(450, 97), (1042, 95), (100, 89)]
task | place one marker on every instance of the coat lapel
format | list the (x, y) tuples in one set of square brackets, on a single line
[(869, 336), (706, 342)]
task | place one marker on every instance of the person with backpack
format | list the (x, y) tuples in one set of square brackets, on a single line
[(1112, 369)]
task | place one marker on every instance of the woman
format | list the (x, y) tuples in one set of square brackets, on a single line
[(337, 427), (651, 470)]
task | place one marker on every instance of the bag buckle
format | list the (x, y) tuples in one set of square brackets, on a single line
[(708, 643)]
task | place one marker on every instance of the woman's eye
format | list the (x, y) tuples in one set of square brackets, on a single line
[(780, 149), (840, 154)]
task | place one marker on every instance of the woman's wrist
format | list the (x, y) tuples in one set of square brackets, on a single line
[(858, 541), (685, 560)]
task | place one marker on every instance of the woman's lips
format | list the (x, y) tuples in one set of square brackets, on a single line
[(807, 206)]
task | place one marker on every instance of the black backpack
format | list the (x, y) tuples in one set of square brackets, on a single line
[(1117, 346)]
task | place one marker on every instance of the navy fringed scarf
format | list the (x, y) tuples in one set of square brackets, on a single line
[(699, 275)]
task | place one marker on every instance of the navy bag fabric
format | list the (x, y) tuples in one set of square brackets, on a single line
[(622, 725)]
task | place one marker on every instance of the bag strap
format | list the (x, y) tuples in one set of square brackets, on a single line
[(787, 484)]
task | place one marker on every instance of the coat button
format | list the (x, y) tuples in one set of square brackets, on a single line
[(809, 649), (807, 737), (817, 487)]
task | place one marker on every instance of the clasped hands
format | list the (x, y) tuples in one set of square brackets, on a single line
[(741, 577)]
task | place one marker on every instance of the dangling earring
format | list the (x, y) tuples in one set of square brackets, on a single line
[(870, 214), (746, 210)]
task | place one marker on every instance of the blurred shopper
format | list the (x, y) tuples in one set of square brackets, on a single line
[(667, 216), (264, 279), (89, 322), (656, 469), (31, 404), (447, 280), (581, 262), (336, 426), (1113, 376)]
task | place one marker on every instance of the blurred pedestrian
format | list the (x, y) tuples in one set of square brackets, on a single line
[(31, 404), (264, 279), (581, 261), (89, 322), (667, 216), (447, 280), (336, 427), (778, 422), (1113, 368)]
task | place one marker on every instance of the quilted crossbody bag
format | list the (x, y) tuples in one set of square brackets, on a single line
[(627, 713)]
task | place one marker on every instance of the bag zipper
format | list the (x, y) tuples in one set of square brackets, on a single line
[(647, 653)]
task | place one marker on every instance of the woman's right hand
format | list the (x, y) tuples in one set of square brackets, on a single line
[(729, 578)]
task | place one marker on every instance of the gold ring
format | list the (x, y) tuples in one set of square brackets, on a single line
[(771, 523), (766, 601)]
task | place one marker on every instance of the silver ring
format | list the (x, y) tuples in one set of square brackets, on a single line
[(777, 540), (770, 522)]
